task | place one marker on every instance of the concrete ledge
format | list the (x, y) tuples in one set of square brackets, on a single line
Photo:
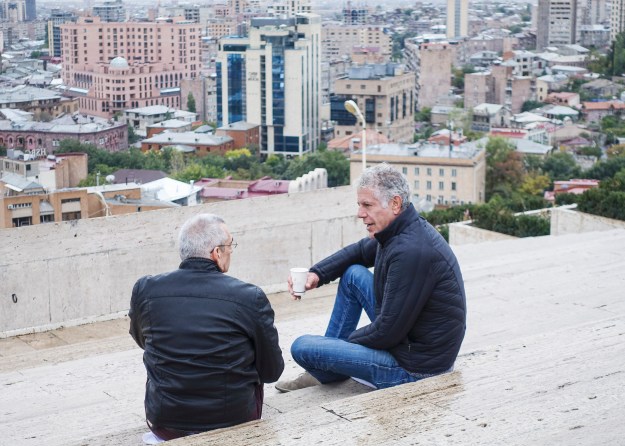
[(516, 393)]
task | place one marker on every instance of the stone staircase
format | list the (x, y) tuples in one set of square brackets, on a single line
[(542, 363)]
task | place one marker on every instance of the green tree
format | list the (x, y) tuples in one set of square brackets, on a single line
[(531, 105), (535, 184), (561, 166), (191, 103), (132, 135), (424, 115), (504, 168), (616, 57), (334, 162), (606, 169)]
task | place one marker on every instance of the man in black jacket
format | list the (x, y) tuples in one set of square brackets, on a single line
[(209, 339), (415, 300)]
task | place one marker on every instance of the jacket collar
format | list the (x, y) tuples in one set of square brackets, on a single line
[(199, 263), (398, 225)]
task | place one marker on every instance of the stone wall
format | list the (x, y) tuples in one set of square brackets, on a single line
[(567, 221), (73, 272)]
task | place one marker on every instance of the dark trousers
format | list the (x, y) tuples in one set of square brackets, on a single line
[(169, 434)]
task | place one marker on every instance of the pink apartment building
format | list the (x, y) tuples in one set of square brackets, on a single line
[(113, 66)]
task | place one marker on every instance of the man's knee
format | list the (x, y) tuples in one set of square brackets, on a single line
[(355, 270), (302, 346)]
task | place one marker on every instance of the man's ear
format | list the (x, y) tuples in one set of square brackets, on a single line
[(215, 254), (396, 204)]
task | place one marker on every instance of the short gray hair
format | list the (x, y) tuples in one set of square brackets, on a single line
[(385, 182), (200, 235)]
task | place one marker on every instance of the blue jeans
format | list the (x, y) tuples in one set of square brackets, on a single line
[(332, 358)]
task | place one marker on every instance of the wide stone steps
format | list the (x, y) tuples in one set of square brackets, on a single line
[(542, 363)]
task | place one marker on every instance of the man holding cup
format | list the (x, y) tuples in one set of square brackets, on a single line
[(415, 299)]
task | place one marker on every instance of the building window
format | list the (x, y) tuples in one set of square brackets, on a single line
[(416, 171), (428, 198), (441, 172), (404, 170), (453, 185), (441, 185), (429, 171), (428, 185), (454, 172), (416, 184)]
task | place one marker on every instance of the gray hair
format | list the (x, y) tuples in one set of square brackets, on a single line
[(200, 235), (385, 182)]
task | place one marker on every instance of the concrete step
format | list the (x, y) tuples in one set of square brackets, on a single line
[(541, 364)]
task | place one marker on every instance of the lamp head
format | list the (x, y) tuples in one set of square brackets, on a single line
[(352, 107)]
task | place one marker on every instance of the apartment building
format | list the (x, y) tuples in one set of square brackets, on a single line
[(617, 19), (433, 63), (111, 67), (110, 11), (457, 18), (57, 18), (41, 102), (50, 171), (340, 40), (30, 136), (436, 174), (557, 23), (385, 95), (272, 78)]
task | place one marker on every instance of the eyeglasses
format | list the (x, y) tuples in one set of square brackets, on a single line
[(232, 245)]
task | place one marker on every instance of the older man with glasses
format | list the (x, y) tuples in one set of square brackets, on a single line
[(209, 339)]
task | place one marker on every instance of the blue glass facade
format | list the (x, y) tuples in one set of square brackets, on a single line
[(236, 87)]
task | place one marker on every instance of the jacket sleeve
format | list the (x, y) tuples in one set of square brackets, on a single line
[(268, 354), (409, 284), (333, 267), (134, 313)]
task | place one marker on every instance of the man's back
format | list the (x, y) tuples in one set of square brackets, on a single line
[(209, 340)]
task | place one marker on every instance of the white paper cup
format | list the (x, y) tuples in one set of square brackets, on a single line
[(298, 277)]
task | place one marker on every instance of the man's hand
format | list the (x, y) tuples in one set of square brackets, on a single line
[(311, 282)]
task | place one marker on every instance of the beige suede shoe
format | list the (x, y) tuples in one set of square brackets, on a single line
[(301, 382)]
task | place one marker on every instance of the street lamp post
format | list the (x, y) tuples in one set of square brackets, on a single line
[(352, 107)]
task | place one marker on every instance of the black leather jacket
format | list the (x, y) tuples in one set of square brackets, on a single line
[(208, 340), (419, 291)]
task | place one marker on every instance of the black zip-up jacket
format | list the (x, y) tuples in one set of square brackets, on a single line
[(209, 340), (419, 291)]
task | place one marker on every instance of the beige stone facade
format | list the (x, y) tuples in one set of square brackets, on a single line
[(114, 66), (434, 175), (386, 101)]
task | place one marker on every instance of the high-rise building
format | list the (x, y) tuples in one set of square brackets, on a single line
[(30, 12), (617, 18), (557, 23), (272, 78), (432, 67), (289, 8), (355, 15), (110, 11), (57, 18), (457, 18), (115, 66)]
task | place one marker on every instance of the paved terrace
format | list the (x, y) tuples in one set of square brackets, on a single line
[(542, 363)]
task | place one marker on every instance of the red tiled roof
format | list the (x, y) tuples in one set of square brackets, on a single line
[(606, 105)]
